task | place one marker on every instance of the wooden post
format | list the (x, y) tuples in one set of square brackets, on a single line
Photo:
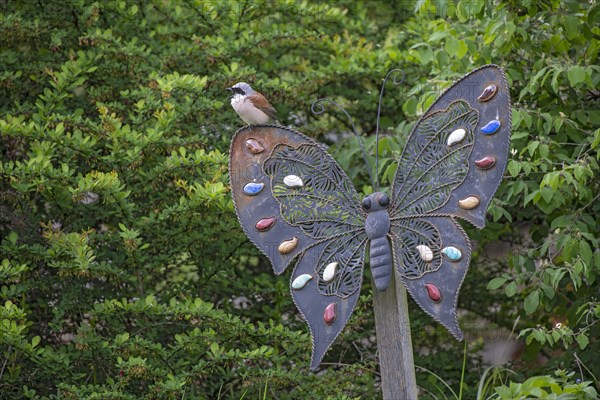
[(394, 342)]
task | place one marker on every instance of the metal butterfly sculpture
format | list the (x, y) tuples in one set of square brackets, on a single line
[(296, 203)]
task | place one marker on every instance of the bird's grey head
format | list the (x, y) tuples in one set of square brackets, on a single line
[(241, 88)]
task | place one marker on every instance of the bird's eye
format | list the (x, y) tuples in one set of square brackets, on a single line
[(384, 200), (240, 91), (366, 203)]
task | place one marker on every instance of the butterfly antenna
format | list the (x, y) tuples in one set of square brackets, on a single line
[(318, 108), (396, 82)]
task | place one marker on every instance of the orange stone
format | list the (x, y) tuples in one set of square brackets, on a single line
[(254, 146)]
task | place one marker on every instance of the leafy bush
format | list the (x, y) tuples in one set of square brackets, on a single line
[(123, 271)]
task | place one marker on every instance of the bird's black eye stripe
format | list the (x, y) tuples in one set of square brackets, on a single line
[(366, 203), (238, 90)]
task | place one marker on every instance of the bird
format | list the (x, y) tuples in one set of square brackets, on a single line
[(252, 107)]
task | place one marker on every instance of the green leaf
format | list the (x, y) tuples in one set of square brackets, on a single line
[(582, 340), (214, 348), (532, 146), (511, 289), (514, 167), (462, 49), (516, 135), (547, 194), (496, 283), (585, 252), (531, 302), (35, 341), (576, 74), (571, 24), (452, 45)]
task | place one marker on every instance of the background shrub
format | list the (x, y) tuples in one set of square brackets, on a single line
[(123, 271)]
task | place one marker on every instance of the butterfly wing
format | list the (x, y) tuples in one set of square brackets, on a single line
[(327, 305), (295, 202), (432, 255), (450, 168)]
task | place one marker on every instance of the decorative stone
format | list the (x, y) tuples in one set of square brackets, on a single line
[(486, 162), (425, 252), (456, 136), (301, 281), (491, 127), (287, 246), (254, 146), (434, 292), (488, 93), (293, 181), (452, 253), (329, 314), (253, 188), (330, 271), (469, 203), (265, 224)]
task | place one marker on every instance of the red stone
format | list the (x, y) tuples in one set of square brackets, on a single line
[(265, 224), (489, 92), (329, 314), (433, 292), (254, 146), (486, 162)]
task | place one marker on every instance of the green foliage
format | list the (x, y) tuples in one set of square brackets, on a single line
[(547, 387), (123, 271)]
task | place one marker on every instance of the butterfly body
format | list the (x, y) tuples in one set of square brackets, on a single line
[(377, 228), (300, 208)]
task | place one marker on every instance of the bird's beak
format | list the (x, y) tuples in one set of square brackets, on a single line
[(231, 90)]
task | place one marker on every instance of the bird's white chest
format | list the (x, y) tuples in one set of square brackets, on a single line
[(247, 111)]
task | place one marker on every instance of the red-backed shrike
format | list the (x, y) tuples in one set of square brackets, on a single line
[(251, 106)]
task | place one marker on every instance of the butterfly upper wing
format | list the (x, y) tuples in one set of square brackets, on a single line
[(312, 214), (451, 167), (439, 167)]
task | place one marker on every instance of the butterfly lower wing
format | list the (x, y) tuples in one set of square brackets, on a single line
[(295, 202), (455, 157), (432, 255), (326, 296)]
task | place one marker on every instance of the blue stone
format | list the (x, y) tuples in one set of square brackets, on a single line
[(452, 253), (491, 127), (253, 188)]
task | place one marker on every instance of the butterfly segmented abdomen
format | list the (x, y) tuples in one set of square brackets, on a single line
[(381, 262), (377, 227)]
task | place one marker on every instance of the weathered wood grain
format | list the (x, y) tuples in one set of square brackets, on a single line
[(394, 342)]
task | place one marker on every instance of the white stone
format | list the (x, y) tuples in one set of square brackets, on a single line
[(330, 271), (456, 136), (293, 181), (425, 253)]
